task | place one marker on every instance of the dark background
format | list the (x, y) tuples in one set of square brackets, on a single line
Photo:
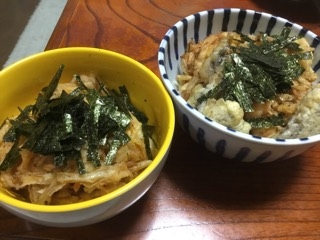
[(14, 16)]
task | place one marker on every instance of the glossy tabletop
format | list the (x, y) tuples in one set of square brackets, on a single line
[(198, 195)]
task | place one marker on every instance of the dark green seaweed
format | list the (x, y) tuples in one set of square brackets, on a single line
[(260, 71), (62, 126)]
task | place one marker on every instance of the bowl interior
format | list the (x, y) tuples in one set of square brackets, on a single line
[(23, 80), (200, 25)]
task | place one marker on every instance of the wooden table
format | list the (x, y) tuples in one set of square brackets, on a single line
[(198, 195)]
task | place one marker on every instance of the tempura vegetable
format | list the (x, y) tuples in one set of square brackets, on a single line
[(78, 141), (265, 77)]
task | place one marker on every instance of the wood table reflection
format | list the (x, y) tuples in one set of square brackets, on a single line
[(198, 195)]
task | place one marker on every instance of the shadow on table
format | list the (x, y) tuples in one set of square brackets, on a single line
[(300, 10), (226, 183)]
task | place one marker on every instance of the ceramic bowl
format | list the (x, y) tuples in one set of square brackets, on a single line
[(24, 79), (217, 138)]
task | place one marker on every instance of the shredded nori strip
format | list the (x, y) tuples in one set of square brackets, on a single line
[(63, 126), (12, 157), (261, 70), (267, 122)]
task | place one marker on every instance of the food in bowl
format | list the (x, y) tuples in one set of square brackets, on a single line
[(227, 142), (251, 83), (24, 80), (78, 141)]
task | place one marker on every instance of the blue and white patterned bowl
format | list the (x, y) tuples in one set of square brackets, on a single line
[(214, 136)]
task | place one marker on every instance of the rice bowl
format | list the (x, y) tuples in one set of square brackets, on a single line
[(28, 76), (215, 137)]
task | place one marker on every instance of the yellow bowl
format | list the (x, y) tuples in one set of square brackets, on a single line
[(22, 81)]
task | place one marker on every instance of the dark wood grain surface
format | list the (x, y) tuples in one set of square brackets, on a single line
[(198, 195)]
